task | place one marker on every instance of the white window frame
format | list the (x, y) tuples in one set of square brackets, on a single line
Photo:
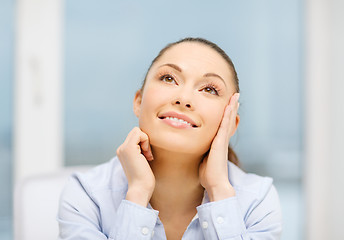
[(38, 98), (324, 118)]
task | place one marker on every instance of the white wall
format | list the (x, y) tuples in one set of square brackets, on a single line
[(38, 87), (324, 113)]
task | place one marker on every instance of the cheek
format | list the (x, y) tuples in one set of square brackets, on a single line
[(152, 98), (146, 108), (213, 115), (214, 123), (212, 120), (151, 101)]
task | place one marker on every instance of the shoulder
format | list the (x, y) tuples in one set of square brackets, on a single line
[(90, 199), (88, 193), (96, 182), (107, 176), (252, 189), (258, 198)]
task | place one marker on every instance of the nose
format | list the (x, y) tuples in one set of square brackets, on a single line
[(186, 104), (184, 97)]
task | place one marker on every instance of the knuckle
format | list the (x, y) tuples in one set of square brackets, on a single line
[(136, 130), (119, 150)]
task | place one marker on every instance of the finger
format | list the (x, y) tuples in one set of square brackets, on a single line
[(234, 100), (232, 119), (224, 126), (228, 119), (132, 137), (141, 140), (145, 146)]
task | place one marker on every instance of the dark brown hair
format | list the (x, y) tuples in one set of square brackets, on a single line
[(231, 154)]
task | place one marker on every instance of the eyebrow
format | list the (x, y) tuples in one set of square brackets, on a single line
[(172, 66), (205, 75), (214, 75)]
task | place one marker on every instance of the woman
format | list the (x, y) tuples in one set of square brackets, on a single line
[(171, 178)]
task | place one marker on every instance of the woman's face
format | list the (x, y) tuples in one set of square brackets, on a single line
[(186, 92)]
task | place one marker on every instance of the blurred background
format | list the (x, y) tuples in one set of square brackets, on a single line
[(69, 71)]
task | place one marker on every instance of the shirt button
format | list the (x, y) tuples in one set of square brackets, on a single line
[(220, 220), (205, 224), (144, 231)]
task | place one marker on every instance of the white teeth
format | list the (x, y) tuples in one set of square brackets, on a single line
[(179, 120)]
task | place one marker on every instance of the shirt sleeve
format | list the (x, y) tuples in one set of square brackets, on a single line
[(134, 222), (225, 219), (79, 217)]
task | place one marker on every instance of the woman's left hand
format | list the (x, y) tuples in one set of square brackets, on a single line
[(213, 171)]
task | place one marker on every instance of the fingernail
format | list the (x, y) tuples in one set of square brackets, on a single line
[(237, 97)]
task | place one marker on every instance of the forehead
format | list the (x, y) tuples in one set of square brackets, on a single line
[(193, 56)]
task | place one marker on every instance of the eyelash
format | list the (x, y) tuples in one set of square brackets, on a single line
[(210, 85), (163, 76)]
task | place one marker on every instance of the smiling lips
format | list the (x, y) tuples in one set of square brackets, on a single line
[(178, 120)]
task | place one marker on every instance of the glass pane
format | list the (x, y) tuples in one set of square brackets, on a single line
[(110, 44), (6, 80)]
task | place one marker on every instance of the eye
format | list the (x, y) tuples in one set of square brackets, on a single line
[(210, 89), (167, 78)]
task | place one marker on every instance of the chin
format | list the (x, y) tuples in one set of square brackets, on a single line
[(179, 145)]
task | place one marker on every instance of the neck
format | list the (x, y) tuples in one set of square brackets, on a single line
[(177, 180)]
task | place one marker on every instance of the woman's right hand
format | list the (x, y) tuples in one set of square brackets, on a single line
[(134, 155)]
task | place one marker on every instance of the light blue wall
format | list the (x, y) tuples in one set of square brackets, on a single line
[(6, 85), (110, 44)]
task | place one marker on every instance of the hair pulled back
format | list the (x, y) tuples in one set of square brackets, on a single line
[(231, 154)]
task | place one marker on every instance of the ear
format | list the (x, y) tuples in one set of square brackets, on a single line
[(137, 102), (237, 121)]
